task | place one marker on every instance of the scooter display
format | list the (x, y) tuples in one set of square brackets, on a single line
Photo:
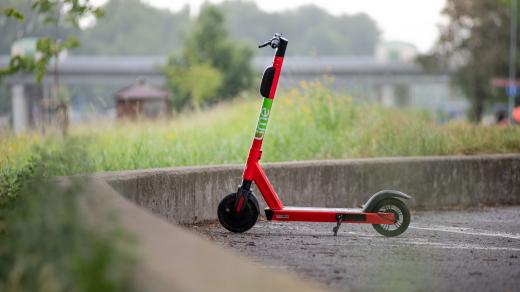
[(239, 211)]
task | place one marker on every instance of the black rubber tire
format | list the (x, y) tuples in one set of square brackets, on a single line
[(401, 206), (234, 222)]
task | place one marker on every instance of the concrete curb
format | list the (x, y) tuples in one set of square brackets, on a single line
[(191, 194), (169, 258)]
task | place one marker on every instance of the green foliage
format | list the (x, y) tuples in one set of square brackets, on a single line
[(46, 242), (51, 12), (12, 12), (32, 26), (16, 165), (212, 66), (73, 10), (197, 84), (22, 158), (475, 41), (48, 246), (47, 48), (18, 64), (12, 179), (135, 28)]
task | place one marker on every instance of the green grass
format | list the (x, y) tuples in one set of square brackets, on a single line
[(308, 123), (311, 123)]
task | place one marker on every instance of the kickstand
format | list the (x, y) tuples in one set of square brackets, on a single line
[(339, 218)]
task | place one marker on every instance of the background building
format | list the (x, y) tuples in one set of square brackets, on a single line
[(142, 99)]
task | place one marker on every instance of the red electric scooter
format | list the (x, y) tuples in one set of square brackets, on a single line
[(238, 212)]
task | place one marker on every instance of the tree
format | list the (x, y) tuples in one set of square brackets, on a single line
[(135, 28), (220, 64), (49, 13), (476, 43), (11, 28), (55, 13), (194, 85), (310, 29)]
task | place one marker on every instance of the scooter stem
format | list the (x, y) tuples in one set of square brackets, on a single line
[(252, 170)]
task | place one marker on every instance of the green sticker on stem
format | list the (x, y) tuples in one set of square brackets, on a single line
[(263, 119)]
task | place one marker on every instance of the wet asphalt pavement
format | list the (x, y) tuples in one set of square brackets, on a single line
[(477, 250)]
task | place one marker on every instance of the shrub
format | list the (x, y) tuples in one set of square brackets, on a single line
[(45, 242), (212, 66)]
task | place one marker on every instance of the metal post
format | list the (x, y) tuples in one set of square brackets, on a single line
[(512, 61), (20, 108)]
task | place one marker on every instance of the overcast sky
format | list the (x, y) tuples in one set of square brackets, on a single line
[(414, 21)]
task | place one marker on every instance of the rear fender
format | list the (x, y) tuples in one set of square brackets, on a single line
[(370, 205)]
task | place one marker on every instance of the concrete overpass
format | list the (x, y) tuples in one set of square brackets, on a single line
[(365, 78), (121, 70)]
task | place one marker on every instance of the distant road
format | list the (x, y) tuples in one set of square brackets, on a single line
[(442, 251)]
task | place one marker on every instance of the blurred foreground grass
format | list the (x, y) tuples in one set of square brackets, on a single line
[(46, 243)]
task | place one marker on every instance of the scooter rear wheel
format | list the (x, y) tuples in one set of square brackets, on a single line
[(237, 222), (402, 217)]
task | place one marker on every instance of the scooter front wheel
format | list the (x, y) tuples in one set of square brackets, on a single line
[(237, 222), (401, 213)]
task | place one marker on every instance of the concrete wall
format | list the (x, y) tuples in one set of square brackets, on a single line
[(170, 258), (191, 194)]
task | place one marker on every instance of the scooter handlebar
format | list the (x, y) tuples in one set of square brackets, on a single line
[(274, 42)]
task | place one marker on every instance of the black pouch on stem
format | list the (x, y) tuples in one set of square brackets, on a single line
[(267, 81)]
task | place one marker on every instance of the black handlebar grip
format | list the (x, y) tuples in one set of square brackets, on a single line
[(264, 44)]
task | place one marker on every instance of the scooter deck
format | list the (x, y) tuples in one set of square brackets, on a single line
[(323, 209), (311, 214)]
